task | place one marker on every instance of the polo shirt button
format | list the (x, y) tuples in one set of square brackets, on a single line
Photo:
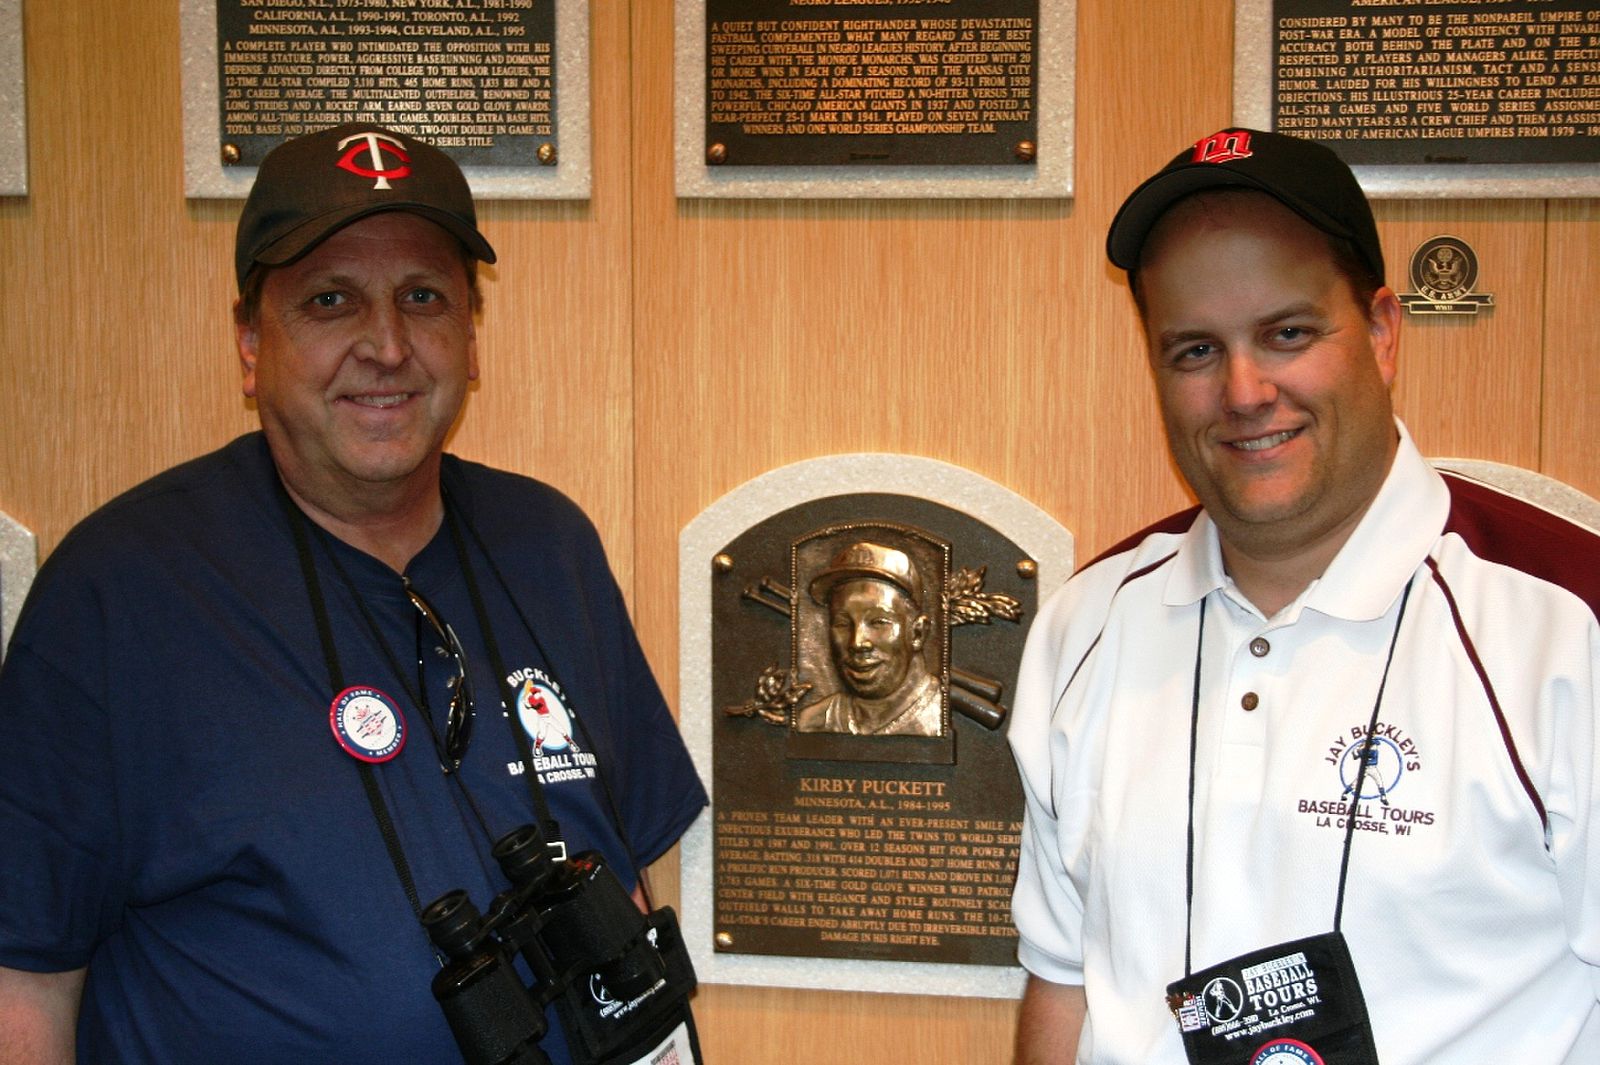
[(1250, 701), (1259, 647)]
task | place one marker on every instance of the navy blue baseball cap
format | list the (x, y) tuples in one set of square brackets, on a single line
[(1304, 176), (311, 186)]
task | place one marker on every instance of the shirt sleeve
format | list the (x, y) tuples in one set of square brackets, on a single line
[(1046, 905), (648, 777), (1575, 806), (58, 895)]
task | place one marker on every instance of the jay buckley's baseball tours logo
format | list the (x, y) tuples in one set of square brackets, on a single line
[(543, 712)]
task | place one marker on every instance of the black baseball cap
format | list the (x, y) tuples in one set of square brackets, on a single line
[(1304, 176), (308, 187)]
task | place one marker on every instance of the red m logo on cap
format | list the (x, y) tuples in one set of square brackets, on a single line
[(1223, 147), (373, 145)]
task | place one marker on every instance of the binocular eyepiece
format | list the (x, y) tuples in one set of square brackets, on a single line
[(491, 1014), (571, 922)]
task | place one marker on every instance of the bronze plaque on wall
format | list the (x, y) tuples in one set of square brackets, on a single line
[(896, 82), (475, 77), (866, 804), (1439, 83)]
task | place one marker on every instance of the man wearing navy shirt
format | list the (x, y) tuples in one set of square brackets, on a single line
[(263, 708)]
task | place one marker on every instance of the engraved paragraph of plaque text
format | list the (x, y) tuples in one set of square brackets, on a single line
[(871, 75), (459, 72), (1486, 70), (855, 874)]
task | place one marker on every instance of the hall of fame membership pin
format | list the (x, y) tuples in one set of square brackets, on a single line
[(367, 724), (1443, 271)]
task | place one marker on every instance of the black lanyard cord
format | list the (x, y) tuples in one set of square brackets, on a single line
[(418, 697), (1350, 823), (501, 676), (330, 654), (1194, 731), (1366, 752), (453, 511)]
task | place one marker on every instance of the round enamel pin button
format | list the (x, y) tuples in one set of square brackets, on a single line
[(367, 724)]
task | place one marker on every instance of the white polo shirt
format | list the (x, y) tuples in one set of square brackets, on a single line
[(1472, 906)]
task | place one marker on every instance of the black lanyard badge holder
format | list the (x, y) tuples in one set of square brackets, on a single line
[(1296, 1003), (619, 979)]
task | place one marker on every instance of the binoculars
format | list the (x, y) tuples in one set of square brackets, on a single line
[(589, 948)]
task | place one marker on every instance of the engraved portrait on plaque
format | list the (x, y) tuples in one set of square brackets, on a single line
[(865, 623), (851, 627)]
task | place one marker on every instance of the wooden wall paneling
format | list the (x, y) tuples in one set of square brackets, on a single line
[(554, 400), (118, 350), (821, 330), (1570, 434), (1470, 385), (647, 355), (990, 334), (111, 366), (759, 1025)]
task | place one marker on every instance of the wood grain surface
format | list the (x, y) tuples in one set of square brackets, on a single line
[(647, 355)]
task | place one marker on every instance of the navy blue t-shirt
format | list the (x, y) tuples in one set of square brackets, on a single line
[(180, 817)]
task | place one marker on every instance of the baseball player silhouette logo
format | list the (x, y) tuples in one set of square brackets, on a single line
[(1224, 999), (544, 717)]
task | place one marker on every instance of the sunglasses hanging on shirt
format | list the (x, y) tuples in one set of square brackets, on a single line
[(462, 713)]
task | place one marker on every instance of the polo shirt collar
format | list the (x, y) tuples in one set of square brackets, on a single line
[(1372, 567), (1197, 570), (1394, 536)]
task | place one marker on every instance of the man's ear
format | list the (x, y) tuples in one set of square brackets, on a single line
[(1383, 323), (919, 632), (247, 337)]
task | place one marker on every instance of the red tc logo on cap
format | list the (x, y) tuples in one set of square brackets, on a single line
[(1223, 147), (374, 145)]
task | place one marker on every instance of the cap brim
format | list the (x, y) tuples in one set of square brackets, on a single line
[(823, 584), (308, 234), (1140, 212)]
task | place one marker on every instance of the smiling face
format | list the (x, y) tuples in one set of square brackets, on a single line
[(1273, 380), (876, 633), (358, 358)]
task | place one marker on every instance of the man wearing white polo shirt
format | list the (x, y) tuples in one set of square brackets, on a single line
[(1311, 770)]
